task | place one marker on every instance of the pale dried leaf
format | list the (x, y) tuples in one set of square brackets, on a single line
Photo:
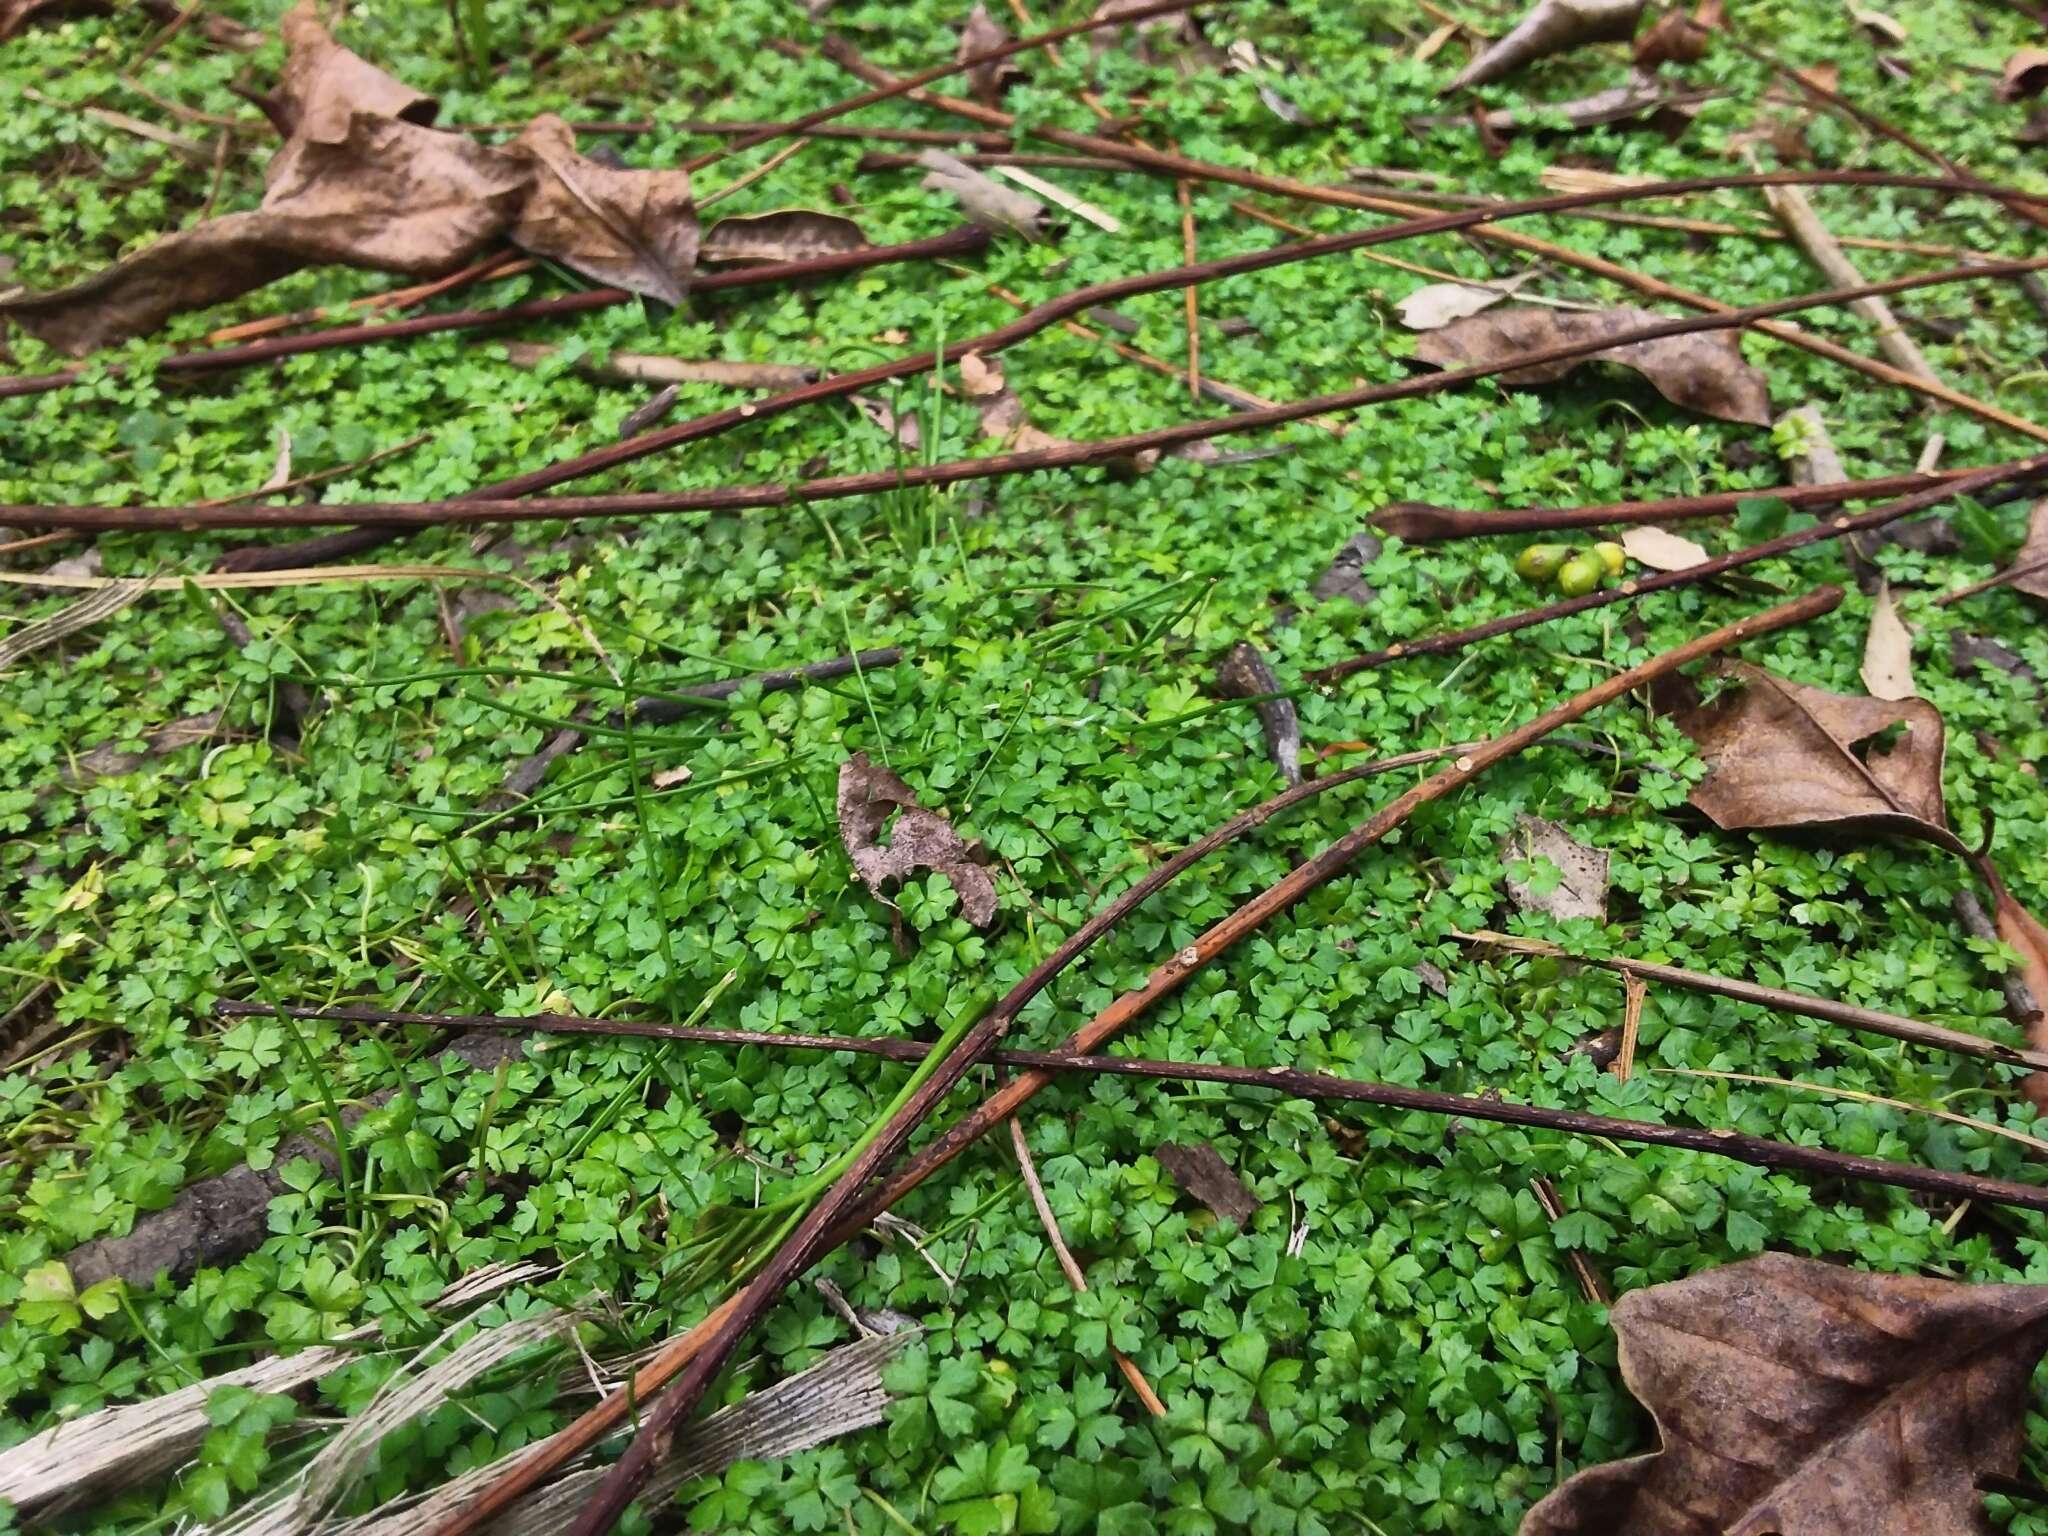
[(2025, 74), (1435, 305), (986, 201), (1002, 413), (1703, 372), (1245, 674), (1677, 38), (1553, 26), (1581, 889), (869, 797), (2033, 553), (786, 234), (1783, 756), (281, 471), (1660, 549), (1816, 462), (1887, 650), (903, 428), (1808, 1399)]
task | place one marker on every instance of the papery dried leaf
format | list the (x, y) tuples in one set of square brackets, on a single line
[(1804, 1399), (1201, 1171), (2033, 555), (1245, 674), (1642, 96), (1002, 413), (1887, 650), (869, 796), (986, 82), (324, 84), (1345, 575), (1581, 889), (2024, 934), (1703, 372), (1677, 38), (1781, 755), (635, 230), (786, 234), (1660, 549), (1882, 28), (1435, 305), (987, 201), (1553, 26)]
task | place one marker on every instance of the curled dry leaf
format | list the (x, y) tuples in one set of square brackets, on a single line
[(1781, 755), (2024, 934), (787, 234), (1806, 1399), (986, 201), (1002, 413), (1345, 576), (983, 33), (1201, 1171), (1660, 549), (1677, 38), (1246, 674), (2025, 74), (362, 181), (1887, 650), (1553, 26), (1435, 305), (1581, 889), (869, 795), (1703, 372), (2032, 560)]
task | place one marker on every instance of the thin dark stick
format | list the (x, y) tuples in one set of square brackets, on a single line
[(1760, 1151), (383, 520), (964, 241), (1780, 1000), (847, 1201), (1638, 586), (2011, 573), (1283, 186), (730, 129), (1419, 523)]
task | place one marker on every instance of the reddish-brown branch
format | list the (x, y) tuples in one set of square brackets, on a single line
[(964, 241), (1180, 166), (846, 1201), (1418, 523), (383, 520), (1658, 581)]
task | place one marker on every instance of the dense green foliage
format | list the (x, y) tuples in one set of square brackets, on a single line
[(1420, 1358)]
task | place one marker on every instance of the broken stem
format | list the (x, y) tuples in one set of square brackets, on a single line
[(847, 1204)]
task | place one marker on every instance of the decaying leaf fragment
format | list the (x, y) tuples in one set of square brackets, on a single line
[(1201, 1171), (363, 181), (2032, 559), (869, 795), (1887, 650), (1661, 549), (1553, 26), (1703, 372), (2025, 74), (987, 201), (982, 34), (1581, 889), (1245, 674), (1805, 1399), (786, 234), (1783, 755), (1435, 305)]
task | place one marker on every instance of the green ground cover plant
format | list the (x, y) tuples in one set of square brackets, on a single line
[(1395, 1341)]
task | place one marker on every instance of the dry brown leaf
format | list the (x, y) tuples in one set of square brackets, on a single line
[(1887, 650), (2033, 553), (1660, 549), (2024, 935), (1201, 1171), (1677, 38), (869, 795), (1002, 413), (1806, 1399), (985, 200), (1883, 29), (1581, 890), (362, 182), (1703, 372), (1245, 674), (986, 82), (786, 234), (1553, 26), (1435, 305), (903, 428), (1781, 755)]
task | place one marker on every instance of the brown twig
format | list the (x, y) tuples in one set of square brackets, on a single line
[(1638, 586), (2010, 574), (1178, 165), (1184, 192), (963, 241), (1418, 523), (846, 1199), (498, 264), (1592, 1284), (381, 521), (321, 475), (1779, 1000), (1796, 212), (1635, 994), (1050, 1222)]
